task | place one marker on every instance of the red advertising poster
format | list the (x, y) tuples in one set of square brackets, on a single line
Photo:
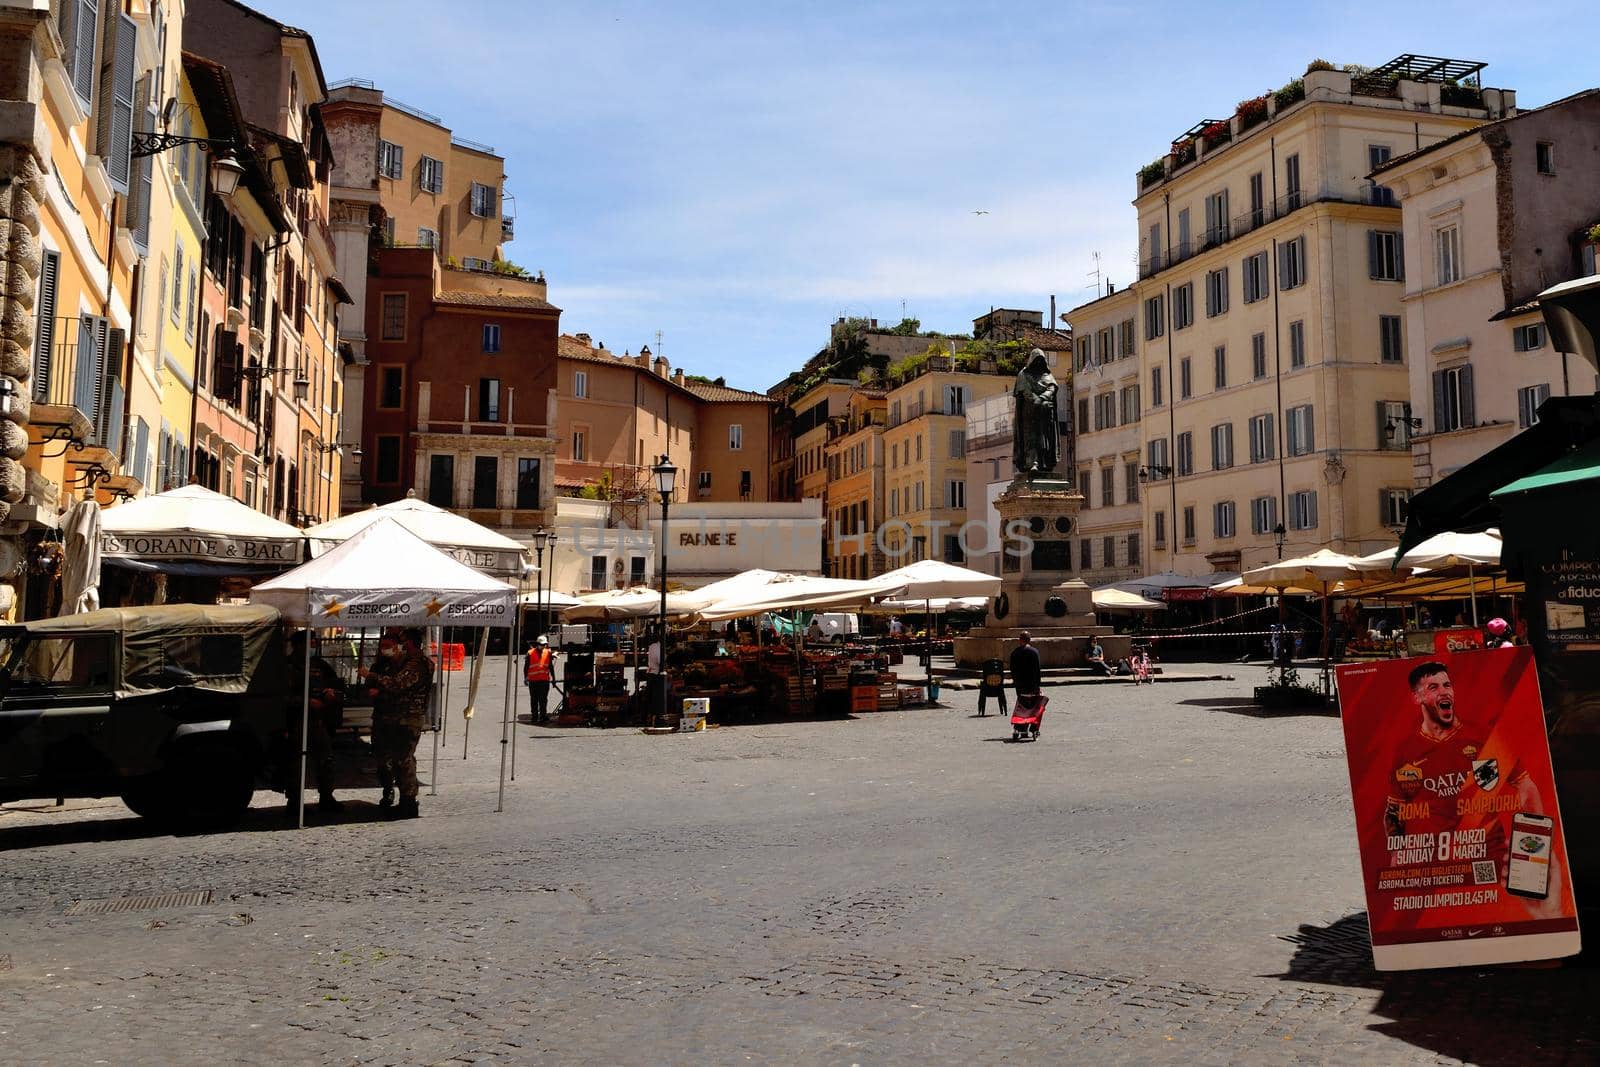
[(1462, 855), (1456, 640)]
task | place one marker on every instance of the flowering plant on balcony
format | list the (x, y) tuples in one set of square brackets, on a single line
[(1292, 93), (1183, 151), (1216, 133), (1151, 173), (1252, 112), (1594, 234)]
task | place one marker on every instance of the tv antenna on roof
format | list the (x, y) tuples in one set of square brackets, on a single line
[(1099, 284)]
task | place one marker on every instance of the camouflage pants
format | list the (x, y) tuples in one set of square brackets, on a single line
[(394, 742)]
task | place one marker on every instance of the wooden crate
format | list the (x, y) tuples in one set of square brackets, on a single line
[(863, 698)]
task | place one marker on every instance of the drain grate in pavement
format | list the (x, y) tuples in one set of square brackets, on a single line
[(188, 898)]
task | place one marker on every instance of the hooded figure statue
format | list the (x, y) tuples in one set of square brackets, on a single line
[(1036, 433)]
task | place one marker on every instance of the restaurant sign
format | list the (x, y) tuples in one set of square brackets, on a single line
[(204, 548)]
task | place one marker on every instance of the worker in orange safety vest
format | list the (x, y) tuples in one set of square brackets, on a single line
[(539, 675)]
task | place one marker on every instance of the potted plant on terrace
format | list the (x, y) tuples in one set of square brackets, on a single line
[(1216, 133), (1252, 112), (1183, 152), (1151, 173)]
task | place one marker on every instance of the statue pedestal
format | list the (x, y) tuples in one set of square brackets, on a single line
[(1038, 592)]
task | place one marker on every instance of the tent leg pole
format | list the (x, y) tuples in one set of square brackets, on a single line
[(1472, 589), (305, 736), (444, 698), (517, 633), (438, 685), (507, 710)]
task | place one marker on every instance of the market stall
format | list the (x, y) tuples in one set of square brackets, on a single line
[(387, 576), (734, 673)]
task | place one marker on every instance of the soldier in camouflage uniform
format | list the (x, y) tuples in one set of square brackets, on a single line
[(399, 682)]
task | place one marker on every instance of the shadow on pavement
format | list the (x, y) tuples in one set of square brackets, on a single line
[(130, 827), (1241, 705), (1489, 1015)]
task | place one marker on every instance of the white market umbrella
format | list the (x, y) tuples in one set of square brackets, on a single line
[(1322, 569), (553, 600), (1112, 598), (637, 602), (929, 578), (797, 592), (80, 570), (469, 542), (194, 524), (939, 605), (387, 576)]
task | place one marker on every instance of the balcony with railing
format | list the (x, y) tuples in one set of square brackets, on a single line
[(79, 397), (478, 414), (1248, 222)]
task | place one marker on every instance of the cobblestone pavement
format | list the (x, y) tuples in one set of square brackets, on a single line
[(1165, 877)]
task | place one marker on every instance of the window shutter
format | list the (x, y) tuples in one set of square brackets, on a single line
[(1438, 402), (108, 420), (114, 139), (1283, 266), (1271, 439), (1372, 254), (1311, 510), (1384, 441), (79, 40), (1400, 256), (144, 170), (44, 342), (1469, 414), (1310, 443), (226, 362)]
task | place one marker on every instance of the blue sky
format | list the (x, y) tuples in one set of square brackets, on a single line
[(735, 175)]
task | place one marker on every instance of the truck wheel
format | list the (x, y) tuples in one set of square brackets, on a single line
[(210, 784), (147, 798)]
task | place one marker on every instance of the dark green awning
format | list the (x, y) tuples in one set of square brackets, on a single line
[(1461, 501), (1580, 466)]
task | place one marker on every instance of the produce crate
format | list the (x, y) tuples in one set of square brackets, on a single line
[(863, 699), (912, 696)]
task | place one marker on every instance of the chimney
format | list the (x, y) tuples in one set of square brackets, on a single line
[(583, 337), (677, 376), (644, 357), (721, 381)]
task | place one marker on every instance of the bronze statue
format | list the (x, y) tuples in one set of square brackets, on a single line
[(1035, 433)]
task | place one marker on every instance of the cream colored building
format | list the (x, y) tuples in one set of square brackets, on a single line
[(925, 475), (855, 486), (1491, 218), (1106, 415), (1269, 296)]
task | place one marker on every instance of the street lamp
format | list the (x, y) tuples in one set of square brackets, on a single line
[(666, 480), (541, 537), (1279, 535)]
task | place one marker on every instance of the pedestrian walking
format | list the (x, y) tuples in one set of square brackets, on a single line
[(1025, 671), (539, 674), (399, 683)]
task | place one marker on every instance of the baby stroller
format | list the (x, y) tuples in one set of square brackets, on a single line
[(1140, 661), (1025, 716)]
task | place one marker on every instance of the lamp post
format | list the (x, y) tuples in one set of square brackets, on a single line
[(541, 537), (666, 480)]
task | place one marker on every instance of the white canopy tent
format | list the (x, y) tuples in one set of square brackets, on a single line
[(939, 605), (469, 542), (194, 530), (387, 576), (1324, 569), (612, 605)]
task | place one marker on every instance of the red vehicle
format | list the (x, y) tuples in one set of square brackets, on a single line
[(1026, 713)]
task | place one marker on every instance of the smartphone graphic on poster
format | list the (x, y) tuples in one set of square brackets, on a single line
[(1528, 873)]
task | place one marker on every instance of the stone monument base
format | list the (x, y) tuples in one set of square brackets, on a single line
[(1037, 593)]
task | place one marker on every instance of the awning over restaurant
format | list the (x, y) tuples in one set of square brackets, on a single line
[(468, 542), (192, 525), (1463, 500)]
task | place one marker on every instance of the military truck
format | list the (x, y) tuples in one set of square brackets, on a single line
[(179, 709)]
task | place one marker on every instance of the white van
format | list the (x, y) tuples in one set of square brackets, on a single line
[(839, 626)]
